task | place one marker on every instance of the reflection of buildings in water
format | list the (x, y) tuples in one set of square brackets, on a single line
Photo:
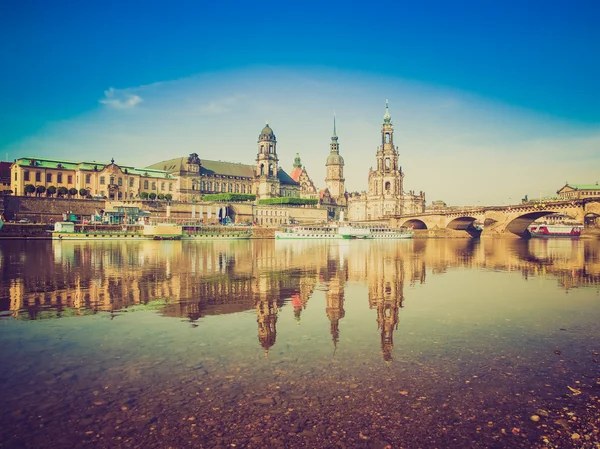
[(334, 296), (266, 317), (386, 295)]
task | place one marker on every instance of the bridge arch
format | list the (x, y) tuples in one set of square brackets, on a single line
[(461, 223), (415, 224), (520, 224)]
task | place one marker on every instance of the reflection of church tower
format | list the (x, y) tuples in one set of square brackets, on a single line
[(266, 317), (335, 307), (266, 182), (334, 180), (386, 295)]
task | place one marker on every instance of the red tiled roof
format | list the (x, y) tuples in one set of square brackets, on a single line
[(295, 174)]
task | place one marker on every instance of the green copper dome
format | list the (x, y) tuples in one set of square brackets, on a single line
[(266, 133)]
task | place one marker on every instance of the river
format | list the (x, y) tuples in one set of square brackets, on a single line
[(263, 343)]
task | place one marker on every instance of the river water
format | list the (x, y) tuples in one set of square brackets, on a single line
[(262, 343)]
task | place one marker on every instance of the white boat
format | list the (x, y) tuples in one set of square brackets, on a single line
[(343, 231), (314, 232), (386, 232)]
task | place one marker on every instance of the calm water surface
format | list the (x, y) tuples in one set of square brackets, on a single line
[(420, 343)]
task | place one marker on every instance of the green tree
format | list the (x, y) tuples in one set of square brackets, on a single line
[(62, 191), (39, 190), (83, 193), (168, 197), (29, 188), (152, 196), (161, 196), (72, 192), (144, 195), (51, 190)]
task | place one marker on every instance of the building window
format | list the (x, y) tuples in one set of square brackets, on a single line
[(88, 179), (201, 186), (130, 182), (59, 178), (112, 179), (38, 176), (120, 181), (170, 187), (102, 181), (48, 177), (209, 186), (216, 186), (237, 188), (243, 188), (223, 187), (26, 175), (162, 186), (146, 185), (230, 188), (70, 179), (154, 186)]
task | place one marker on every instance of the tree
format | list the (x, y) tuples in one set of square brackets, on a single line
[(152, 196), (144, 195), (29, 188), (72, 191), (62, 191), (161, 196), (168, 197), (51, 191), (83, 193), (39, 190)]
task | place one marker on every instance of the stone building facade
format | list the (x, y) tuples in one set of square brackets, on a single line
[(115, 182), (385, 196), (300, 175), (265, 179)]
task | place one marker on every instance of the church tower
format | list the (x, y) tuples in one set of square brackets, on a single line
[(266, 182), (335, 168), (390, 180)]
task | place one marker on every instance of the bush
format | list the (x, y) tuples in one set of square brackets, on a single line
[(152, 196), (229, 197), (289, 201), (29, 188), (144, 195)]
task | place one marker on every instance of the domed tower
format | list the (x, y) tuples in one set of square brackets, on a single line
[(334, 180), (266, 182)]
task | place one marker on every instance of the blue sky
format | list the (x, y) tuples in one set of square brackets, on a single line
[(479, 91)]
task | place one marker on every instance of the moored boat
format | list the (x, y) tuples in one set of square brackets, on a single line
[(555, 230), (387, 232), (312, 232), (199, 232), (65, 230)]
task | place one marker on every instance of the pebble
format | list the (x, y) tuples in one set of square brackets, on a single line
[(534, 418)]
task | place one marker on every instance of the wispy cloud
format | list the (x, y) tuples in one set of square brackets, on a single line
[(119, 99), (220, 106)]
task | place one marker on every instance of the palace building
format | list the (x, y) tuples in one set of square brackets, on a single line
[(98, 179), (385, 196), (265, 179)]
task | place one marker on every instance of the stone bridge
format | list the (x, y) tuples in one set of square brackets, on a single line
[(497, 221)]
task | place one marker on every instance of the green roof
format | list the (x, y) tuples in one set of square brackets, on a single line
[(583, 186), (87, 166), (221, 168)]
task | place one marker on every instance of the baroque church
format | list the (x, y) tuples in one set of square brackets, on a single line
[(385, 196)]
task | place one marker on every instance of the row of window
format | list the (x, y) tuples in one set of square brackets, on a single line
[(88, 180), (208, 186), (271, 212)]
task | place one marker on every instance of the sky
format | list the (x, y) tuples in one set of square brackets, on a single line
[(490, 101)]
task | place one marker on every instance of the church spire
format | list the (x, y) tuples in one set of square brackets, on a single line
[(334, 138), (387, 118)]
